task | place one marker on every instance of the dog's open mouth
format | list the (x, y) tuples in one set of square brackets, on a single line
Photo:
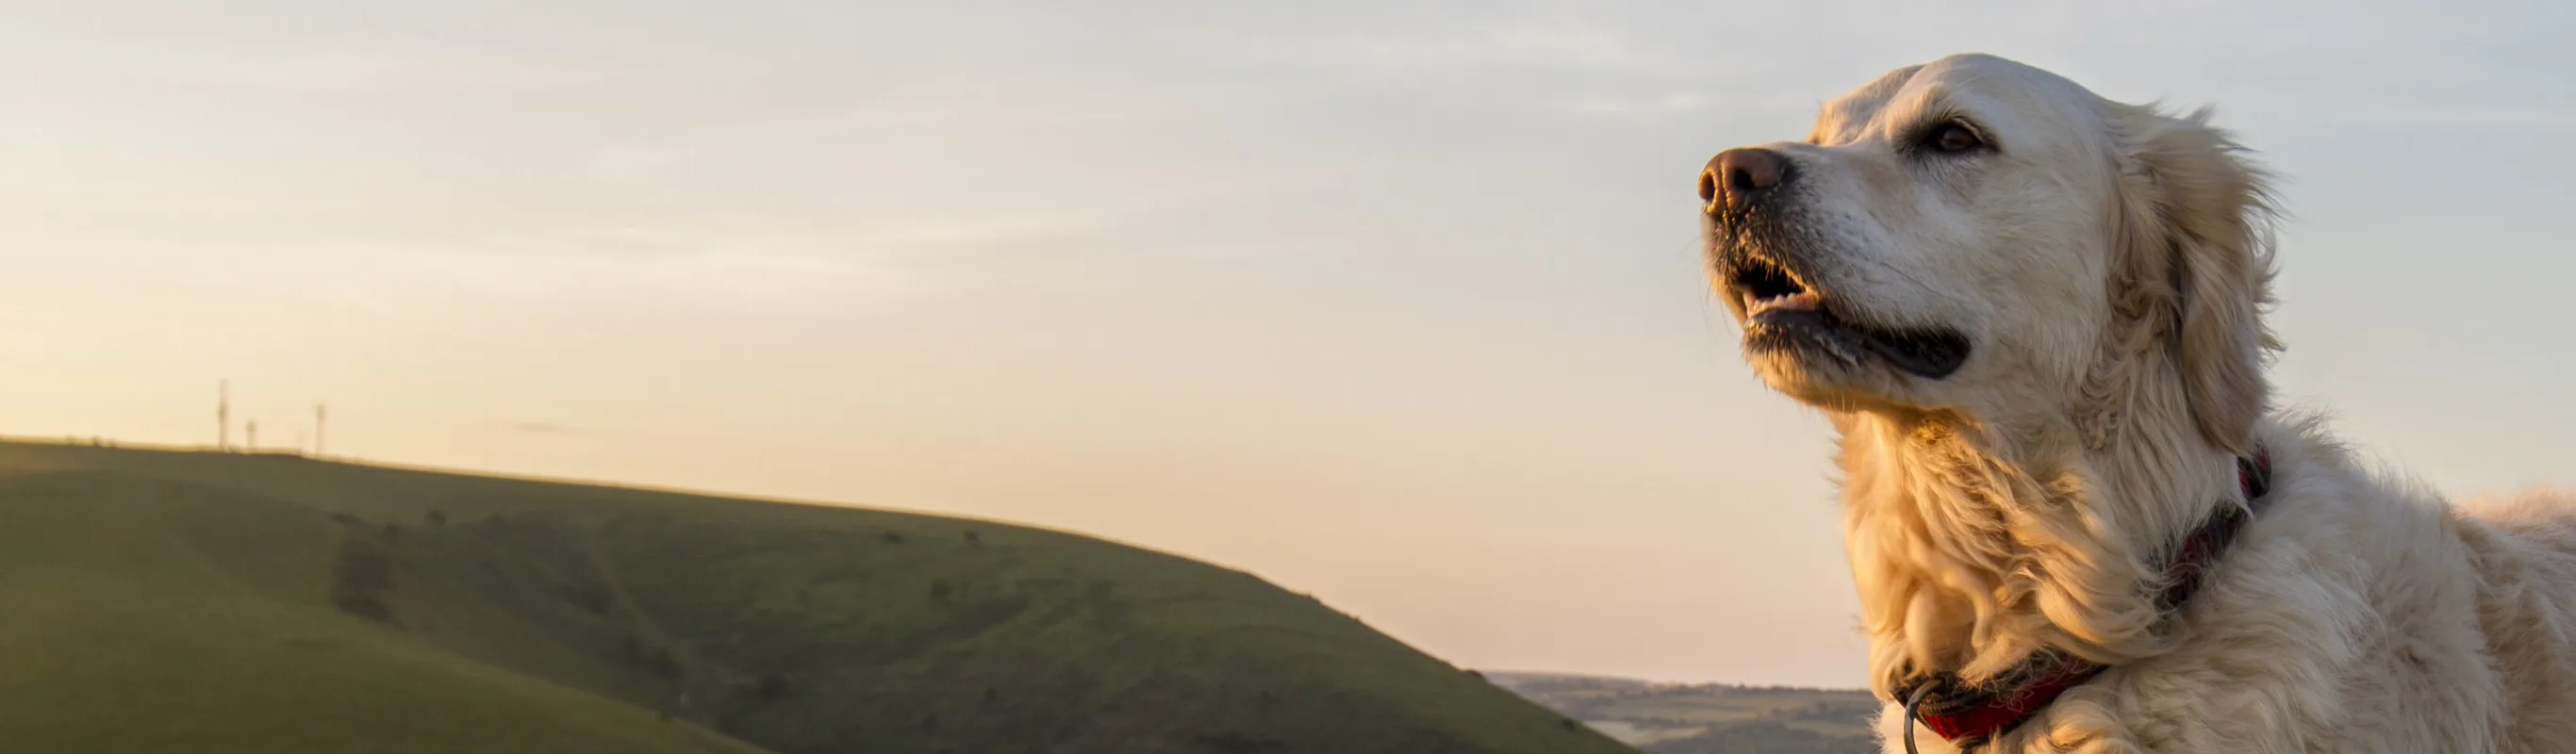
[(1783, 313)]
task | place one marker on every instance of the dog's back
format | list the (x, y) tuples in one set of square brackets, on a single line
[(2524, 550)]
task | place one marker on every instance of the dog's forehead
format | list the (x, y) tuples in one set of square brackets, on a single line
[(1996, 90)]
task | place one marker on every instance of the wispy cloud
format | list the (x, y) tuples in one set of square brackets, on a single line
[(1510, 42), (544, 428), (2482, 116), (674, 264), (631, 160), (1647, 107), (759, 267), (377, 71), (987, 112), (1509, 45)]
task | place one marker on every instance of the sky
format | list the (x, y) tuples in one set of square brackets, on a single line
[(1396, 303)]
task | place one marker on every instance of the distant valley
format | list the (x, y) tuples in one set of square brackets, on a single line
[(1665, 718)]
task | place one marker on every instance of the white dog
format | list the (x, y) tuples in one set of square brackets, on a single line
[(2034, 317)]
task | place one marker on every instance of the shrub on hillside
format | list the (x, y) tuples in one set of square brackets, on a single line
[(646, 657), (774, 687), (359, 579), (593, 598)]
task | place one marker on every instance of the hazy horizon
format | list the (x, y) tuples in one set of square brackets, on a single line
[(1395, 304)]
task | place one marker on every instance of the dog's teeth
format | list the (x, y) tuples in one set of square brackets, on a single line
[(1792, 302)]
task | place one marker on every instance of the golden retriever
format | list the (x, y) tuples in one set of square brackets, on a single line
[(2035, 318)]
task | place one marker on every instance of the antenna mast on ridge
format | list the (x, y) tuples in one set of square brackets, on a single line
[(223, 415), (319, 415)]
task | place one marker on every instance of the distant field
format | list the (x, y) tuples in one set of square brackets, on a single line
[(163, 601), (1707, 718)]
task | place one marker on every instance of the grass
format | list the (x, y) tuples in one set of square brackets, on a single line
[(162, 601), (1708, 718)]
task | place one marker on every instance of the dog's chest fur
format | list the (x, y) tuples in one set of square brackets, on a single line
[(2354, 615)]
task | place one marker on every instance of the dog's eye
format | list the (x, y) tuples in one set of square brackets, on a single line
[(1952, 137)]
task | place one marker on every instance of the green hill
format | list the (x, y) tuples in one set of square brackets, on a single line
[(168, 601)]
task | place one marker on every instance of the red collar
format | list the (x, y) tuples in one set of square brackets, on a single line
[(1971, 715)]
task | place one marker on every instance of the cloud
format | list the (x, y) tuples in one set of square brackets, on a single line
[(1514, 45), (372, 72), (543, 428), (630, 161), (1455, 45), (994, 113), (702, 264), (2473, 116), (1649, 107), (753, 265)]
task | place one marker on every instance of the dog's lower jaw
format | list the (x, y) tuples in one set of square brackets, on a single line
[(1838, 386)]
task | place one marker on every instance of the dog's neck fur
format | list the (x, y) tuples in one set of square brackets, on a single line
[(1974, 544)]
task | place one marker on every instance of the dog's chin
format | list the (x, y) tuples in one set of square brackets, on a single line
[(1810, 354), (1828, 385)]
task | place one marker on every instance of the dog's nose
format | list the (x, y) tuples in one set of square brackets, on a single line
[(1740, 176)]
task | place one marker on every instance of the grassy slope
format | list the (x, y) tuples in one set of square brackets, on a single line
[(150, 599), (144, 616)]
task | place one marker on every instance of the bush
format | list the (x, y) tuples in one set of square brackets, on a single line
[(359, 579), (774, 687), (593, 598), (648, 658)]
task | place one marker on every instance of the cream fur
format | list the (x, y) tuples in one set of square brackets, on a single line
[(2110, 263)]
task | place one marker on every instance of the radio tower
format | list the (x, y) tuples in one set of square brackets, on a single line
[(250, 436), (319, 414), (223, 415)]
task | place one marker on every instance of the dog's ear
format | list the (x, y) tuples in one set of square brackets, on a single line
[(2196, 248)]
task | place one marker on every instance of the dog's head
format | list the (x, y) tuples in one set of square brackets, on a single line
[(1982, 237)]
